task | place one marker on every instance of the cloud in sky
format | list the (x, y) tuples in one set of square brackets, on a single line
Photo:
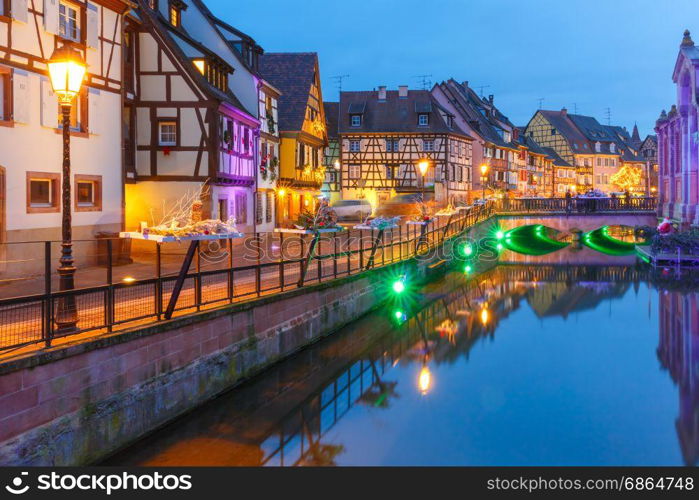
[(593, 55)]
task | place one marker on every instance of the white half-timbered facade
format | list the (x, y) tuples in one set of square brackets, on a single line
[(190, 115), (30, 135), (385, 135)]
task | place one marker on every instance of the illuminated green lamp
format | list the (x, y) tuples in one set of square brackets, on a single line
[(398, 286), (499, 235), (468, 269), (468, 250)]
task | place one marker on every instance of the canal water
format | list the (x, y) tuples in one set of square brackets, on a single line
[(534, 363)]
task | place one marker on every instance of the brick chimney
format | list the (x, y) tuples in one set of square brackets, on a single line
[(403, 91), (491, 98), (382, 93), (564, 111)]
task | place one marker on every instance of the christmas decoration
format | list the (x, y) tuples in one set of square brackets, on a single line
[(423, 211), (665, 227), (323, 218), (185, 219), (628, 178)]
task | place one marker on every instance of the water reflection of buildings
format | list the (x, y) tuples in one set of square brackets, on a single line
[(678, 351), (442, 331), (285, 417)]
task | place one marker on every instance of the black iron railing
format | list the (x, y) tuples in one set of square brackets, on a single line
[(274, 263), (577, 205), (258, 265)]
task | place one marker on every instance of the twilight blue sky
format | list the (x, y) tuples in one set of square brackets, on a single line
[(596, 54)]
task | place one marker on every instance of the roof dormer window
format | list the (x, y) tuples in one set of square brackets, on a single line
[(175, 12), (598, 147), (214, 70), (356, 120), (612, 147), (423, 120), (200, 64)]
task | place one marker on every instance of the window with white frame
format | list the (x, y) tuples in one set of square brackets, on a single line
[(354, 146), (355, 171), (356, 120), (423, 120), (69, 21), (428, 145), (167, 133)]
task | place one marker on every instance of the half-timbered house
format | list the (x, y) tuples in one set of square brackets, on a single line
[(385, 135), (331, 187), (597, 151), (30, 135), (302, 130), (493, 132), (563, 175), (190, 113), (536, 173)]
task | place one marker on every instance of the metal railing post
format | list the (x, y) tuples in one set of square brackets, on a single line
[(197, 280), (48, 302), (258, 269), (159, 281), (229, 274), (109, 302)]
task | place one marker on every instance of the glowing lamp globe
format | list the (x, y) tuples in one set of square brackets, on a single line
[(337, 164), (499, 235), (484, 170), (423, 166), (67, 72), (468, 250)]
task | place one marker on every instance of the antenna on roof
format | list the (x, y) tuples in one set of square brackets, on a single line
[(541, 102), (480, 89), (575, 108), (338, 82), (425, 81), (608, 115)]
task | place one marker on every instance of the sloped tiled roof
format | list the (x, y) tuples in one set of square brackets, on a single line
[(332, 110), (292, 74), (483, 117), (557, 160), (394, 114), (584, 132)]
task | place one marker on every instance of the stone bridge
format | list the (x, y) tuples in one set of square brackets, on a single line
[(583, 222)]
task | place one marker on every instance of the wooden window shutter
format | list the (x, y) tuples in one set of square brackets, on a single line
[(49, 105), (93, 26), (19, 11), (51, 16), (258, 208), (20, 94), (93, 100)]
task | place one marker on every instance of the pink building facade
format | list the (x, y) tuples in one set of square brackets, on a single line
[(678, 142)]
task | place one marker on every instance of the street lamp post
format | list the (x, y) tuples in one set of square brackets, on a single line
[(423, 165), (484, 173), (67, 71)]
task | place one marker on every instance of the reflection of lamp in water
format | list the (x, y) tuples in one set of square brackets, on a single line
[(424, 381), (485, 316)]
